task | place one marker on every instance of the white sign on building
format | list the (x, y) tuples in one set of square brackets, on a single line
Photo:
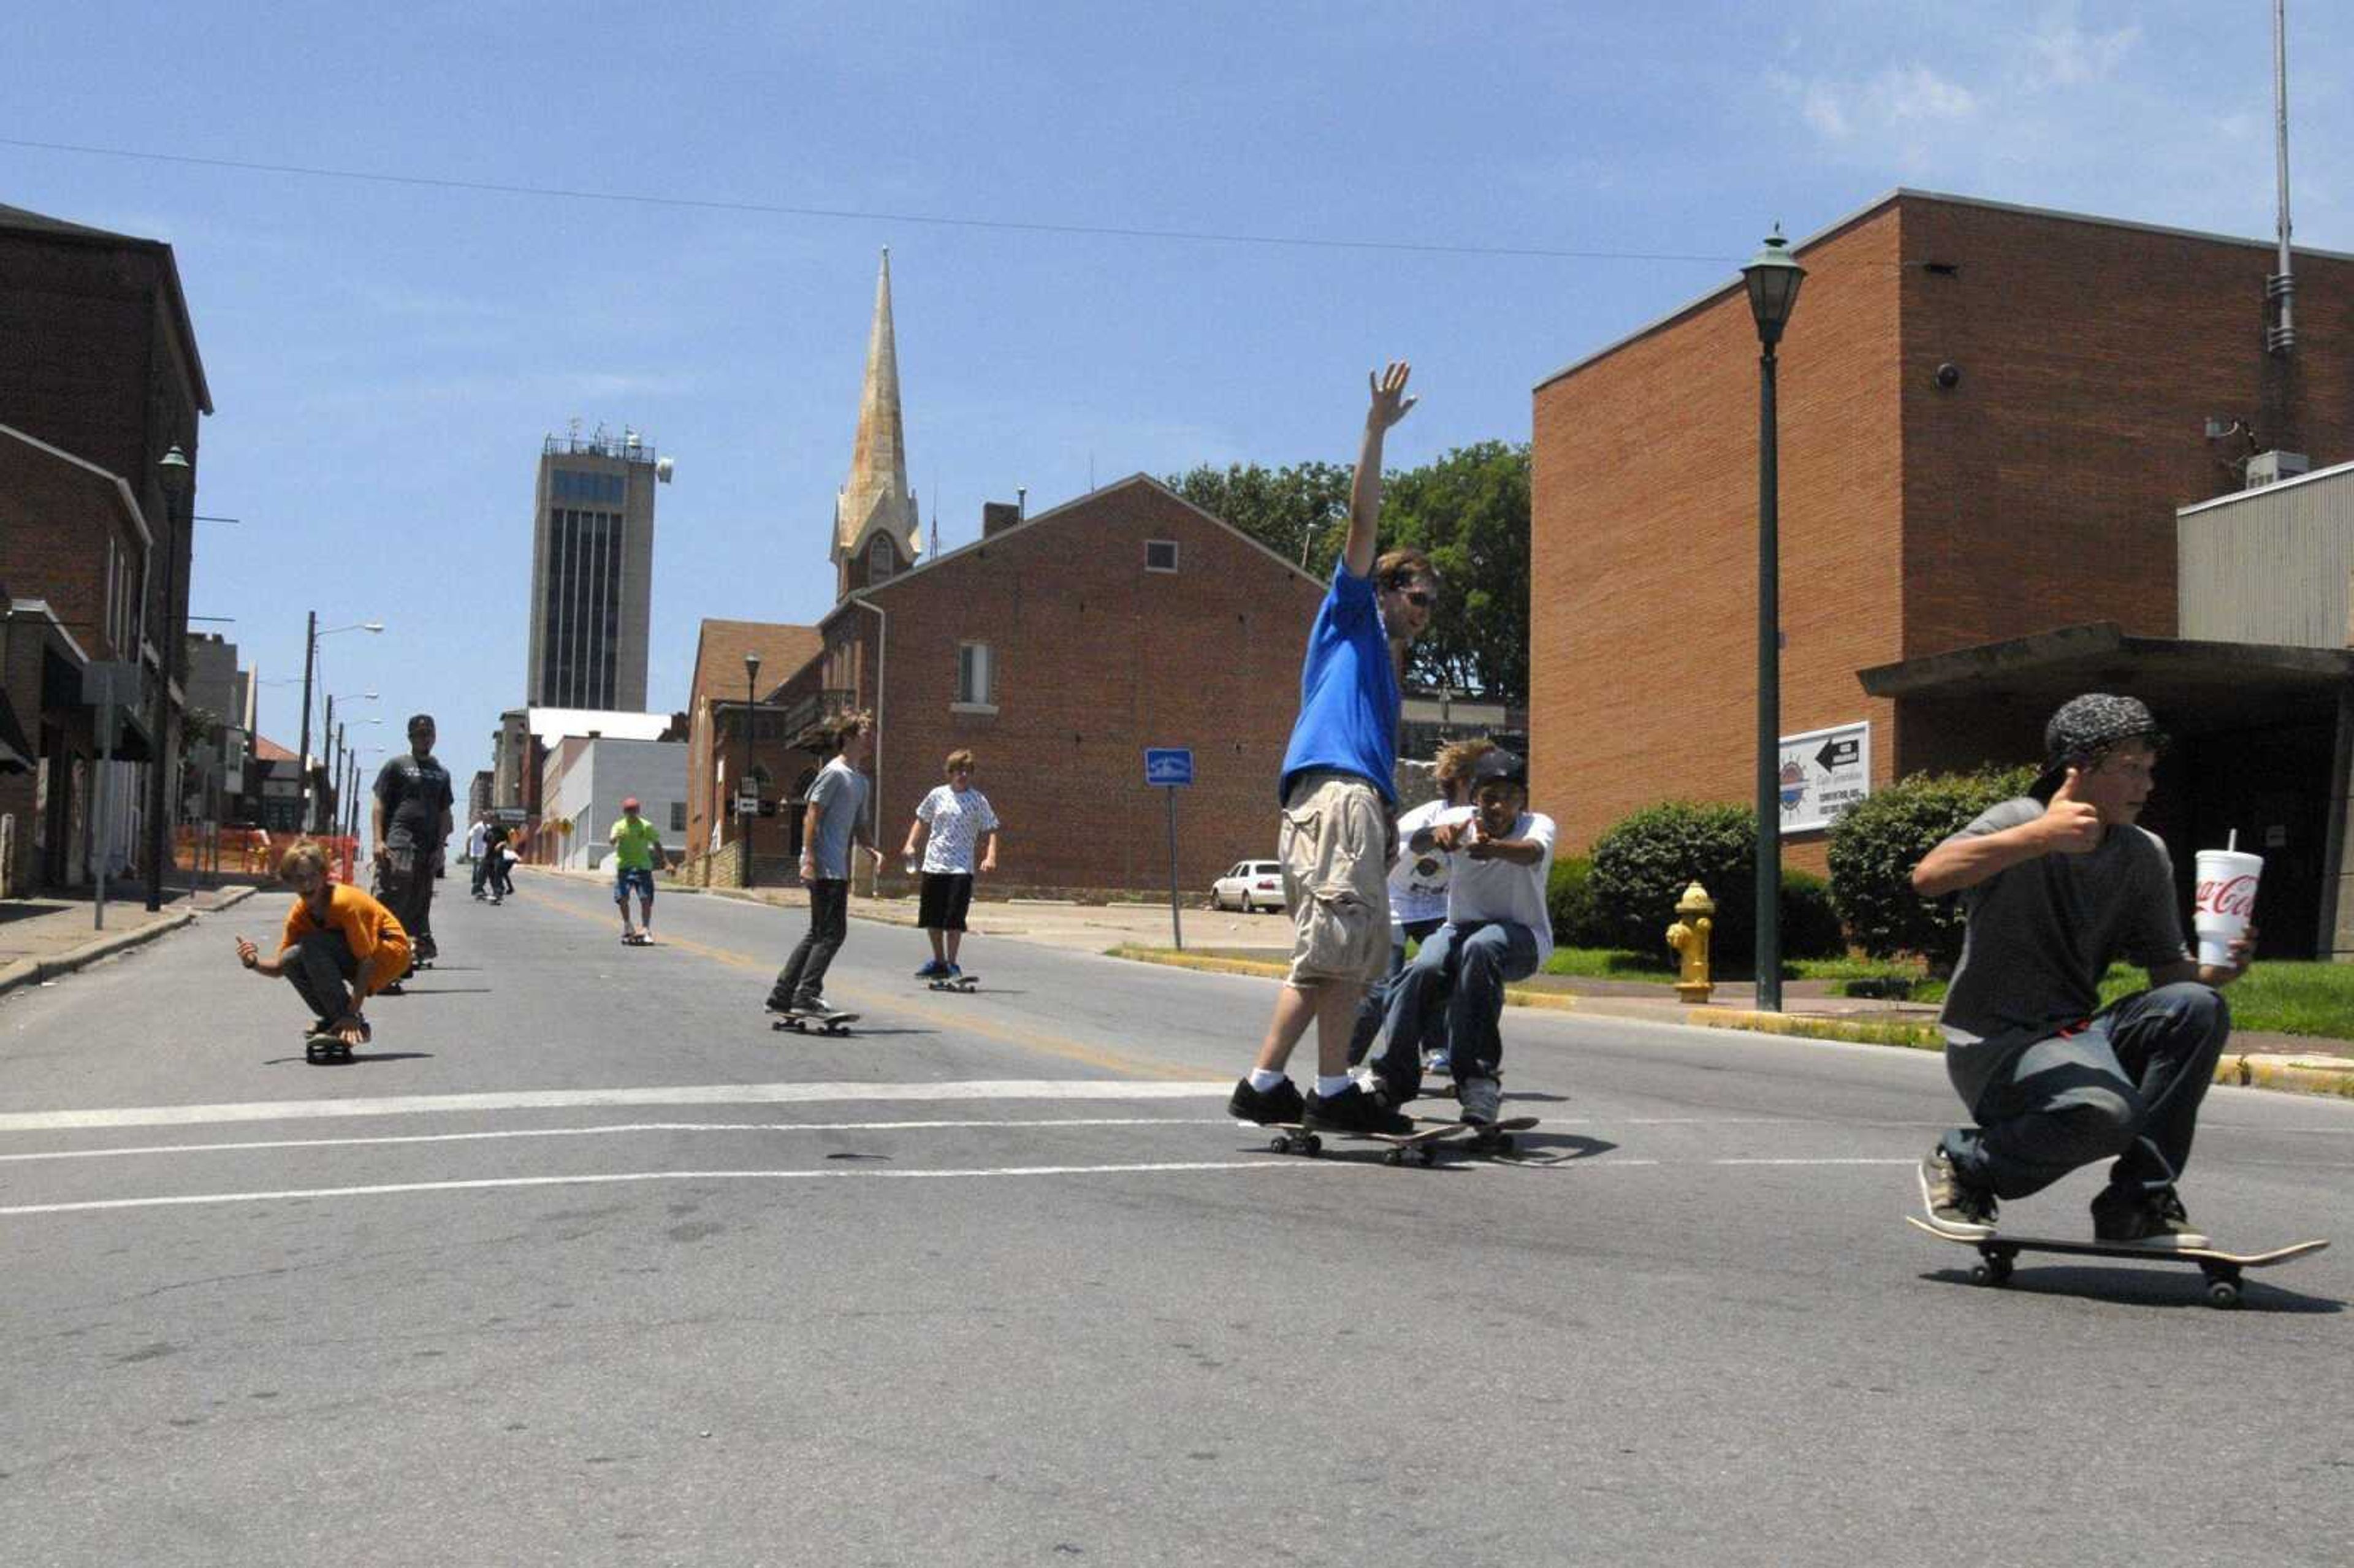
[(1822, 773)]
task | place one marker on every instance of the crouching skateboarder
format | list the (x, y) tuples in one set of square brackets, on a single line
[(1497, 930), (341, 946), (2056, 884)]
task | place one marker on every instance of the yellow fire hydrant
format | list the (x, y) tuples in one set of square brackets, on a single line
[(1689, 937)]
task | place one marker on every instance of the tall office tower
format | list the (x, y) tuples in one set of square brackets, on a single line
[(592, 557)]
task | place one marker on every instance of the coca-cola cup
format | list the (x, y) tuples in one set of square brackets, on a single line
[(2225, 900)]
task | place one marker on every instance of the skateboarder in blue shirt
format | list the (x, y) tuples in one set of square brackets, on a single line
[(2057, 884), (1340, 801)]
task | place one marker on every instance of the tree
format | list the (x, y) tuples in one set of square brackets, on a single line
[(1470, 510), (1299, 513)]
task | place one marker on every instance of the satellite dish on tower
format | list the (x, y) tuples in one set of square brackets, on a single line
[(662, 469)]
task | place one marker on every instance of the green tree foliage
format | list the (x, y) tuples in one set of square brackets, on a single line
[(1470, 510), (1300, 513), (1643, 862), (1876, 844)]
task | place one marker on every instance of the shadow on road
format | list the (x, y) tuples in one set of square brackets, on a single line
[(2126, 1287)]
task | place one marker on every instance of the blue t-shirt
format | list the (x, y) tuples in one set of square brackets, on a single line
[(1348, 691)]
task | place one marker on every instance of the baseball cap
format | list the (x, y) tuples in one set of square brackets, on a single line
[(629, 803), (1500, 764)]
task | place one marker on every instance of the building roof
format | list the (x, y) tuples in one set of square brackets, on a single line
[(1905, 193), (552, 725), (720, 647), (119, 491), (267, 750), (2232, 498), (1065, 512), (15, 220)]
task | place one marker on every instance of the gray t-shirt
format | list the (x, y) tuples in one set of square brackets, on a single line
[(2041, 934), (839, 793)]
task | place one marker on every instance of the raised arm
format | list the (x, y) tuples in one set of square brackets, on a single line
[(2068, 826), (1390, 404)]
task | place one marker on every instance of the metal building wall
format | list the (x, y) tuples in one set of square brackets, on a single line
[(2273, 564)]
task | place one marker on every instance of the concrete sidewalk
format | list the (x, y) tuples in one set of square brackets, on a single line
[(43, 937)]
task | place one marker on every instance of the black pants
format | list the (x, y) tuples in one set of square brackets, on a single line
[(803, 980), (404, 886), (945, 898), (322, 969)]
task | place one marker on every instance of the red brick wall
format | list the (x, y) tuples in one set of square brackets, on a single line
[(1097, 659), (1643, 554), (2038, 492)]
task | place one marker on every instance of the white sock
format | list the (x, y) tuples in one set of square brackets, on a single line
[(1327, 1086), (1265, 1078)]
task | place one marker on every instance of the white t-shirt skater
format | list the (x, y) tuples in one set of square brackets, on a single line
[(1499, 890), (957, 820), (1418, 882)]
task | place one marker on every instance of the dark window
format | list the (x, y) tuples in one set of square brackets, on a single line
[(1161, 555)]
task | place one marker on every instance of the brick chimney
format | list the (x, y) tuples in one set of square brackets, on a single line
[(996, 515)]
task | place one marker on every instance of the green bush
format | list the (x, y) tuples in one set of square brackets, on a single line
[(1875, 846), (1569, 899), (1644, 862)]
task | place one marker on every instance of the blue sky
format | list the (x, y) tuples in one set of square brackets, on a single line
[(385, 358)]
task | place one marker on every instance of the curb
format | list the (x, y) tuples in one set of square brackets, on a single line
[(2288, 1075), (36, 971)]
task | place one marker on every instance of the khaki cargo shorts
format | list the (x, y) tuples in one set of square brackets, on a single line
[(1335, 849)]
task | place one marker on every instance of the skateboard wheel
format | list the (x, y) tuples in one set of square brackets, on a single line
[(1991, 1271), (1395, 1157), (1425, 1156), (2222, 1293), (1279, 1144), (1313, 1145)]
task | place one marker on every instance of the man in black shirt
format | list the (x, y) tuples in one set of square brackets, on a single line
[(412, 821)]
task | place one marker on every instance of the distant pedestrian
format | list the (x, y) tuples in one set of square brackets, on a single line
[(637, 852), (340, 947), (478, 844), (834, 823), (950, 823), (412, 823), (1340, 801), (500, 846)]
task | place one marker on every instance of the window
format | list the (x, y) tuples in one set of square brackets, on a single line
[(1161, 555), (880, 559), (976, 675), (678, 816)]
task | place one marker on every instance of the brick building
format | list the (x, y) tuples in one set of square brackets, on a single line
[(724, 690), (1959, 550), (99, 379)]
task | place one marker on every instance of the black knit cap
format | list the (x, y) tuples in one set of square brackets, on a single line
[(2085, 728)]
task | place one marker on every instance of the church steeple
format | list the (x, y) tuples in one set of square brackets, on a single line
[(877, 501)]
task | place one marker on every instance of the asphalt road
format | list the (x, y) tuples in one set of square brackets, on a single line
[(581, 1262)]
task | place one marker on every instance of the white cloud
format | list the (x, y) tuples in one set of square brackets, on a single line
[(1908, 93), (1819, 105), (2063, 55)]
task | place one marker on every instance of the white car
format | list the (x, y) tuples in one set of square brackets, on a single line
[(1249, 886)]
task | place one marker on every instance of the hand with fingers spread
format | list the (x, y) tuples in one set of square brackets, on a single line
[(2070, 826), (1390, 402)]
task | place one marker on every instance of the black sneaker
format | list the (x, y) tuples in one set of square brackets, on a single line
[(1954, 1206), (1266, 1106), (1353, 1110), (2154, 1220), (1394, 1093)]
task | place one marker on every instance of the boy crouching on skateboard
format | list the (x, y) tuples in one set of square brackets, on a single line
[(1497, 930), (2056, 884), (341, 946)]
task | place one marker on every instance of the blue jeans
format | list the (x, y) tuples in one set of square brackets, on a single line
[(640, 877), (1453, 994), (2127, 1084), (1376, 1008)]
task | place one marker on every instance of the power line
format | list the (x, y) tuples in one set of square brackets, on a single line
[(557, 193)]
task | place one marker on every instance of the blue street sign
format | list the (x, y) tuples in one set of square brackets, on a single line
[(1169, 765)]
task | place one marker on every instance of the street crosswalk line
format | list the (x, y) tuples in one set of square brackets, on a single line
[(657, 1094)]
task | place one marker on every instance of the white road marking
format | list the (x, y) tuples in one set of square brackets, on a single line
[(193, 1199), (633, 1126), (565, 1099)]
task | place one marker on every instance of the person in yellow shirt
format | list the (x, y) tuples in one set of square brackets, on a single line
[(637, 852), (340, 947)]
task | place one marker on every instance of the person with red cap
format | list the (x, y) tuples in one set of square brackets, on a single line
[(637, 850)]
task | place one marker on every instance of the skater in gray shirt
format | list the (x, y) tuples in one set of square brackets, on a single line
[(2057, 884)]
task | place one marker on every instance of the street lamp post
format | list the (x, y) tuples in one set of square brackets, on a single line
[(179, 477), (1773, 278), (310, 635), (751, 696)]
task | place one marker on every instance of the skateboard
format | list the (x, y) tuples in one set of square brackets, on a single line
[(637, 939), (960, 982), (318, 1048), (1997, 1252), (1420, 1146), (818, 1023)]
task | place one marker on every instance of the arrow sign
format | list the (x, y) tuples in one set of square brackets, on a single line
[(1841, 751)]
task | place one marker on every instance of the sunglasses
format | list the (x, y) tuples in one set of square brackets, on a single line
[(1420, 599)]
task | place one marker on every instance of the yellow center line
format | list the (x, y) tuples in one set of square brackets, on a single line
[(963, 1019)]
